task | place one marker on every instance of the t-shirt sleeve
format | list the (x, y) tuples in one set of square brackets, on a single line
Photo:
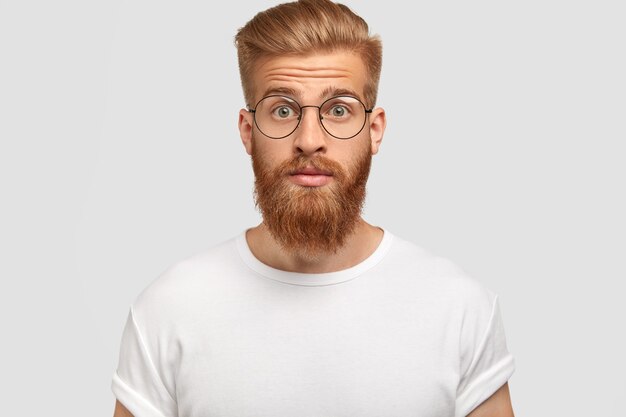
[(136, 382), (486, 363)]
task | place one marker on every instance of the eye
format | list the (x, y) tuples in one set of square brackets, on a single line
[(339, 111), (283, 112)]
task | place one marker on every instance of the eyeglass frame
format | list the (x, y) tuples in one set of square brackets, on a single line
[(319, 114)]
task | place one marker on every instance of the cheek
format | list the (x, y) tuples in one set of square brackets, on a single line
[(357, 151), (268, 153)]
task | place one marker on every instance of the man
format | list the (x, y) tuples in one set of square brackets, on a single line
[(314, 312)]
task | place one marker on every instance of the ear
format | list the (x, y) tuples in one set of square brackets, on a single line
[(378, 122), (246, 121)]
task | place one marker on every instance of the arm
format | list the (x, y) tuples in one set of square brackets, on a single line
[(498, 405), (121, 411)]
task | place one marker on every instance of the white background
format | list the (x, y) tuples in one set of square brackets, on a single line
[(120, 155)]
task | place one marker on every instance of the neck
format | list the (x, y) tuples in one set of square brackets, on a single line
[(359, 245)]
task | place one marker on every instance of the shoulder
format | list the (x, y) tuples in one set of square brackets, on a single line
[(187, 281), (441, 276)]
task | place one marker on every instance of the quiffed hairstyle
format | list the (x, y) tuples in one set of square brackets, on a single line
[(303, 27)]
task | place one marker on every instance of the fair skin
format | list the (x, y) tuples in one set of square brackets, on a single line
[(121, 411), (498, 405), (311, 79)]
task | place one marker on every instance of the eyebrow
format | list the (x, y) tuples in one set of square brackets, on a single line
[(334, 91), (281, 90), (326, 93)]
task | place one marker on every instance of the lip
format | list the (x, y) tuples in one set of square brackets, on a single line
[(311, 177), (311, 171)]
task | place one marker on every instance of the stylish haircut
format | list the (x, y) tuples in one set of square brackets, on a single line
[(303, 27)]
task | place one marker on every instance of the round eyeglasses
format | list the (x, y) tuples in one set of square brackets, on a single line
[(342, 117)]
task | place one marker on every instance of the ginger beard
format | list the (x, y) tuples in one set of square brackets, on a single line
[(310, 222)]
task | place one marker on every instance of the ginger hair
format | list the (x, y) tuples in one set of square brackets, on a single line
[(304, 27)]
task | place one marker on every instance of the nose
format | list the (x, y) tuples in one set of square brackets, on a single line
[(310, 137)]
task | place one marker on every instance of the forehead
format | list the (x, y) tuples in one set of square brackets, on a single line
[(311, 77)]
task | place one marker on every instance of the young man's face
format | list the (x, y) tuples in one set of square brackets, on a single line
[(309, 185)]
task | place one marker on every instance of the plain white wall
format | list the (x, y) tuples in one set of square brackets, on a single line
[(120, 155)]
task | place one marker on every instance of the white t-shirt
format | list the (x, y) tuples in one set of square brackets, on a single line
[(404, 333)]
